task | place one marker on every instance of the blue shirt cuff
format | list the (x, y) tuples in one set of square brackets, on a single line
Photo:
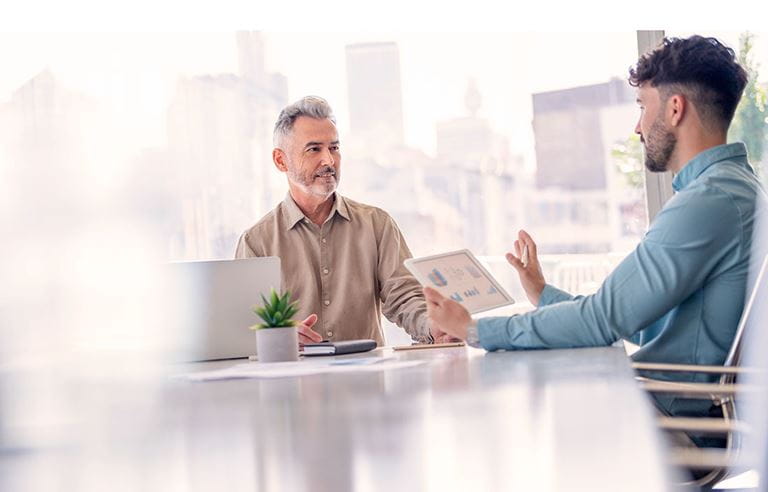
[(491, 332)]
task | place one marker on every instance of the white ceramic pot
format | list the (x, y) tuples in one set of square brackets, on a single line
[(277, 344)]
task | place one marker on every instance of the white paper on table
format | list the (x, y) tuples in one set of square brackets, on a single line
[(302, 368)]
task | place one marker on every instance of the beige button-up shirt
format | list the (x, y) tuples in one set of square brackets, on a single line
[(347, 271)]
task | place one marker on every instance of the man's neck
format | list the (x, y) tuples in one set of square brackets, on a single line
[(688, 148), (315, 208)]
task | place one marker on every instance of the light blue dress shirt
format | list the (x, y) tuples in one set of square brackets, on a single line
[(679, 294)]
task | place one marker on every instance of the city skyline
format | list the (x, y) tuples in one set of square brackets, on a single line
[(136, 74), (217, 142)]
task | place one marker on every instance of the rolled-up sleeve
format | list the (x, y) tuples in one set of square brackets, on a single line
[(683, 246), (553, 295)]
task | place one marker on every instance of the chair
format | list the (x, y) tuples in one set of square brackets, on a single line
[(723, 393)]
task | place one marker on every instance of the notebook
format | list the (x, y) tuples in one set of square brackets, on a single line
[(338, 348)]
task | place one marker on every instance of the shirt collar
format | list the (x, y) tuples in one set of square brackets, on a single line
[(735, 152), (293, 214)]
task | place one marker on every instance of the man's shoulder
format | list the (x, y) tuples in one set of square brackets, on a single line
[(717, 202), (728, 182), (266, 223), (364, 209)]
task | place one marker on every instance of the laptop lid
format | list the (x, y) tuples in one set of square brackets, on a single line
[(213, 307)]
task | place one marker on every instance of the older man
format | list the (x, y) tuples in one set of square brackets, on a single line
[(680, 293), (341, 259)]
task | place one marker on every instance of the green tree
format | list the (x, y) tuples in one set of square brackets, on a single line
[(628, 159), (750, 122)]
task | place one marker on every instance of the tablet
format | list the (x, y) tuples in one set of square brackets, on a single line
[(460, 276)]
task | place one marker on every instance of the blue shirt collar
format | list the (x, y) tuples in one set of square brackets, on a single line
[(736, 152)]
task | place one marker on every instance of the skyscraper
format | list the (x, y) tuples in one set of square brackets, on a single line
[(578, 203), (220, 140), (568, 127), (476, 174), (375, 95)]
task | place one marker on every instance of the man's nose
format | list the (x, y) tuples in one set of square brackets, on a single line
[(328, 157), (637, 128)]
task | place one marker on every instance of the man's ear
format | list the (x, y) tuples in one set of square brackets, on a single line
[(677, 106), (278, 157)]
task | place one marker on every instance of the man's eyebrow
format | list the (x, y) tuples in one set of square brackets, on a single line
[(312, 144)]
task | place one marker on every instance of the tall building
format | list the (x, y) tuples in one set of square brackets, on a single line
[(580, 204), (220, 141), (476, 174), (568, 127), (53, 140), (375, 95)]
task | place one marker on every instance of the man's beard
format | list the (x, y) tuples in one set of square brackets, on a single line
[(658, 147), (322, 186)]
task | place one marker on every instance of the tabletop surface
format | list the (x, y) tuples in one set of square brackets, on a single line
[(463, 420)]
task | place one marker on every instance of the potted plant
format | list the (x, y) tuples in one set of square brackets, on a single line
[(276, 337)]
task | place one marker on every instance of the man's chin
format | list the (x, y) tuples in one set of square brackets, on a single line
[(655, 167), (323, 190)]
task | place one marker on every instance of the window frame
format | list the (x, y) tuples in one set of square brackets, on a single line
[(658, 186)]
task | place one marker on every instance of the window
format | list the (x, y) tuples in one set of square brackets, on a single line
[(750, 124), (464, 140)]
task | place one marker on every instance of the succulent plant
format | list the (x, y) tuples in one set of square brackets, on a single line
[(277, 312)]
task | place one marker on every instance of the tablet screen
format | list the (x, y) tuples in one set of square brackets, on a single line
[(460, 276)]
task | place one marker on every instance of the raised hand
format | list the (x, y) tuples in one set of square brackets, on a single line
[(526, 262)]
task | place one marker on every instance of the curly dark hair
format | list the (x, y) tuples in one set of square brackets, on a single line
[(702, 69)]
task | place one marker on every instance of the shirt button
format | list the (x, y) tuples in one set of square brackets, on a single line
[(329, 333), (325, 271), (326, 302), (324, 240)]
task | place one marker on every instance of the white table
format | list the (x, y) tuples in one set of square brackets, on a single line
[(467, 420)]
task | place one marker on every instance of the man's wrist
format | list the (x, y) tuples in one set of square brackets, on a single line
[(473, 336), (427, 332)]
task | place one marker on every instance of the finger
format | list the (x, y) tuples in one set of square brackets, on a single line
[(310, 320), (304, 339), (518, 251), (515, 262), (446, 339), (433, 296), (309, 333), (435, 330), (442, 338), (529, 242)]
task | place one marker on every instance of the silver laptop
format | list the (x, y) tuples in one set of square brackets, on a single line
[(213, 308)]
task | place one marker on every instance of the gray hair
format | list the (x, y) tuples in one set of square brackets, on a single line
[(311, 106)]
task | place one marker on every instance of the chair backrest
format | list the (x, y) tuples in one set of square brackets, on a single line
[(747, 323), (753, 405)]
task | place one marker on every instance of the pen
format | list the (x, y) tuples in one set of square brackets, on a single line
[(524, 256)]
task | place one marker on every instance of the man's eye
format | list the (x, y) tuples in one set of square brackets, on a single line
[(313, 149), (335, 148)]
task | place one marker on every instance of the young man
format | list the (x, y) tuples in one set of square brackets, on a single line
[(342, 260), (680, 293)]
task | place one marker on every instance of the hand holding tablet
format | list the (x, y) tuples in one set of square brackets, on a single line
[(458, 275)]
